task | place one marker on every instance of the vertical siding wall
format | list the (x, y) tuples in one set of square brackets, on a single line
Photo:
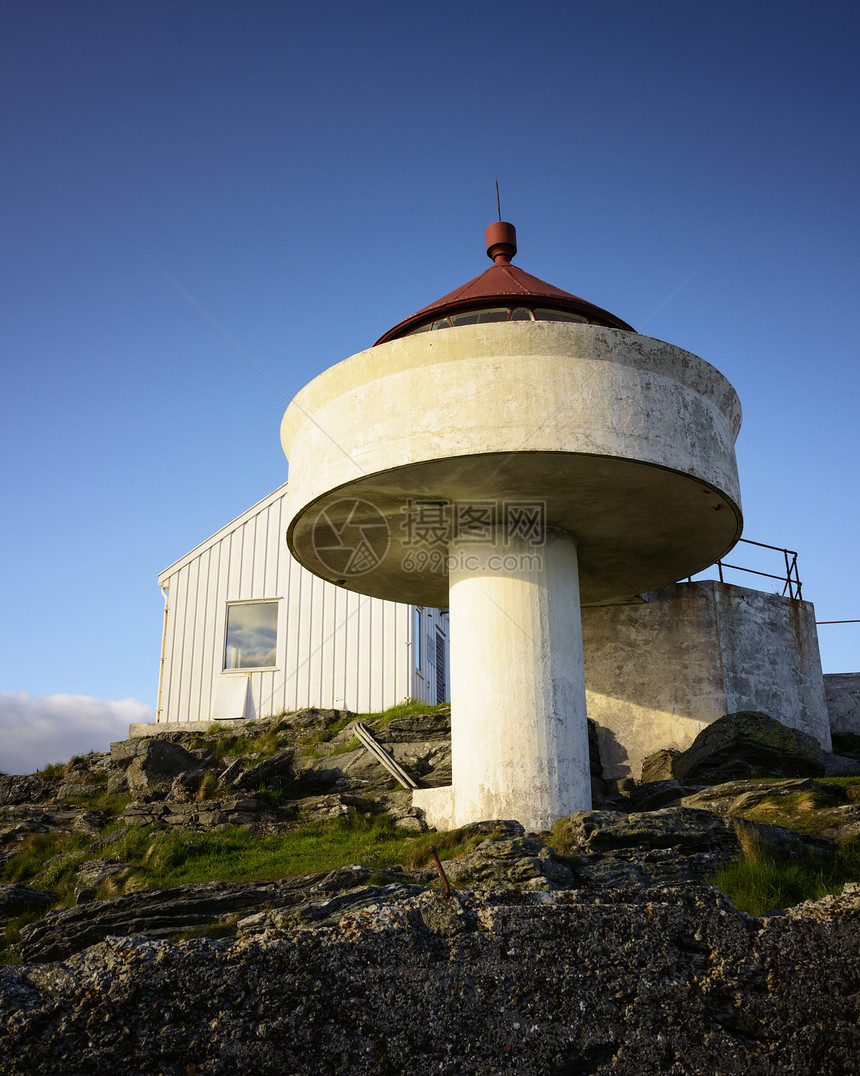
[(335, 648)]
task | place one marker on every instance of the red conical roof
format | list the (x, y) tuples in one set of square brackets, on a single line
[(505, 283)]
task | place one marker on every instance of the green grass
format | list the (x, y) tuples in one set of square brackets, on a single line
[(806, 812), (53, 769), (352, 744), (763, 880), (100, 800), (162, 859), (403, 709), (265, 744), (159, 858), (233, 855)]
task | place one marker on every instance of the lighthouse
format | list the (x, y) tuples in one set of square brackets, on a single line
[(512, 452)]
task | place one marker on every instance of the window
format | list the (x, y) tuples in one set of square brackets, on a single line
[(542, 314), (252, 635), (501, 313)]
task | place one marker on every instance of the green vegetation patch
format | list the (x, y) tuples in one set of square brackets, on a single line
[(263, 744), (236, 854), (403, 709), (159, 858), (763, 879), (808, 811), (315, 751), (29, 865), (52, 770)]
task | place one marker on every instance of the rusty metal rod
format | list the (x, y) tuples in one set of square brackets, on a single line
[(441, 870)]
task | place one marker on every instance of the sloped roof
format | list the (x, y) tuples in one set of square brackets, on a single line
[(505, 282), (219, 535)]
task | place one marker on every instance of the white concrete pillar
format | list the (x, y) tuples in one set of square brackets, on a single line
[(518, 718)]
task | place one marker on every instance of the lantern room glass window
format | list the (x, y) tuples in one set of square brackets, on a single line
[(252, 635), (496, 314)]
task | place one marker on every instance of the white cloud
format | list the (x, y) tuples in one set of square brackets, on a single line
[(36, 731)]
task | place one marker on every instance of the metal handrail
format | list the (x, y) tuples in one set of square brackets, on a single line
[(790, 580), (383, 757)]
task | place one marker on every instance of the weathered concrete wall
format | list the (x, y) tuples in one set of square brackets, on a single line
[(771, 661), (842, 691), (658, 672)]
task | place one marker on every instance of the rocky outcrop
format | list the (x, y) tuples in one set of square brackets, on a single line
[(668, 846), (275, 768), (18, 900), (140, 765), (208, 814), (25, 788), (740, 745), (612, 982), (25, 819), (159, 912), (602, 954), (593, 848)]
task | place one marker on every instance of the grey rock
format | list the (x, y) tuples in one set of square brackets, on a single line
[(408, 817), (15, 900), (511, 861), (841, 765), (311, 719), (123, 751), (350, 770), (604, 981), (70, 789), (747, 744), (26, 788), (660, 766), (653, 795), (140, 813), (329, 909), (92, 872), (671, 846), (732, 797), (333, 805), (117, 783), (413, 728), (278, 766), (160, 912), (232, 768), (840, 823), (21, 820), (150, 761), (207, 814)]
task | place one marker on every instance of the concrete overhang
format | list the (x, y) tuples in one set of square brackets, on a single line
[(627, 441)]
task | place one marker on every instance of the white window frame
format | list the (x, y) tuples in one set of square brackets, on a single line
[(242, 670)]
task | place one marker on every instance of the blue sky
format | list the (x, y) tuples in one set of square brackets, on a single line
[(310, 175)]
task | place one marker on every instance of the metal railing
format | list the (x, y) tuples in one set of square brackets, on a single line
[(790, 578)]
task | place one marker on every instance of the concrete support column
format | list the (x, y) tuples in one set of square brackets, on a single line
[(519, 729)]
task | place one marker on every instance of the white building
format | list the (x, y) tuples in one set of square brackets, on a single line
[(248, 633)]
